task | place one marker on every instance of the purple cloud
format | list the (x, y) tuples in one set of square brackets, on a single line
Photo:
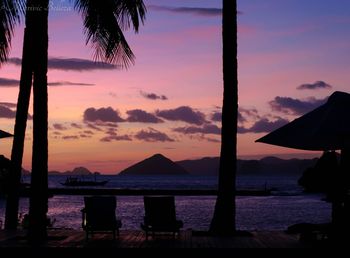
[(70, 64), (141, 116), (184, 113), (94, 127), (59, 127), (89, 132), (153, 96), (207, 12), (315, 86), (67, 83), (153, 135), (103, 115), (7, 113), (264, 125), (75, 125), (206, 129), (111, 132), (8, 104), (242, 115), (4, 82), (70, 137), (216, 116), (116, 138), (292, 106)]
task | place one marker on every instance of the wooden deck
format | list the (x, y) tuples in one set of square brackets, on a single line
[(134, 239)]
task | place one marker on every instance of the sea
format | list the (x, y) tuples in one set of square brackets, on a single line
[(287, 205)]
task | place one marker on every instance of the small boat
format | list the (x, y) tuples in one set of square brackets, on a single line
[(75, 181)]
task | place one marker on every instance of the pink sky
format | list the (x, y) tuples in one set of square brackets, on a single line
[(178, 55)]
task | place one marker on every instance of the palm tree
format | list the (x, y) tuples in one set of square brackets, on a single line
[(223, 222), (10, 14), (104, 22)]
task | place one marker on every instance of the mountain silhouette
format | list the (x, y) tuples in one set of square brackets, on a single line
[(78, 171), (155, 165), (209, 166)]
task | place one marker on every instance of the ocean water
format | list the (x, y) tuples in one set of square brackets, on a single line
[(286, 206)]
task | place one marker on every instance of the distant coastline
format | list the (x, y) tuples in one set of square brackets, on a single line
[(209, 166)]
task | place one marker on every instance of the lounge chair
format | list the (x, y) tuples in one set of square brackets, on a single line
[(99, 215), (160, 215)]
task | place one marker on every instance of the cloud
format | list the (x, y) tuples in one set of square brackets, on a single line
[(84, 135), (8, 104), (116, 138), (67, 83), (153, 96), (138, 115), (70, 137), (5, 112), (242, 115), (216, 116), (206, 129), (75, 125), (153, 135), (315, 86), (59, 127), (184, 113), (111, 132), (264, 125), (207, 12), (89, 132), (292, 106), (92, 126), (103, 115), (4, 82), (71, 64)]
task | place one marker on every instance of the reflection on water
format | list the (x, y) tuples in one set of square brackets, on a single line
[(253, 213)]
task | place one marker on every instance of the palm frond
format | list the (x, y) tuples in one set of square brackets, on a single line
[(10, 14), (104, 22), (130, 12)]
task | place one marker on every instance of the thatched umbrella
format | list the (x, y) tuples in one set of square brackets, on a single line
[(325, 128)]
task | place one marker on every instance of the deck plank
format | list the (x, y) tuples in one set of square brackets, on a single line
[(136, 239)]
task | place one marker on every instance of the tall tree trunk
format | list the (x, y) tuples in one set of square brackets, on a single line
[(12, 202), (223, 222), (38, 204)]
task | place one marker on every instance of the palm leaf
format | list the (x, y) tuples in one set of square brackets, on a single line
[(10, 14), (104, 22)]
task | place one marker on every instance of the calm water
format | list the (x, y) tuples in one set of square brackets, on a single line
[(288, 205)]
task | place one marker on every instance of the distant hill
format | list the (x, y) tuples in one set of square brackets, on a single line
[(155, 165), (265, 166), (78, 171), (204, 166)]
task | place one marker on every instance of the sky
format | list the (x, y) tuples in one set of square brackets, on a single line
[(292, 55)]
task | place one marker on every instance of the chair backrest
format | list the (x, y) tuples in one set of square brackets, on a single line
[(100, 212), (160, 210)]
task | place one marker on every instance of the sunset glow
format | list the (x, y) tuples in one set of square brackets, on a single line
[(292, 55)]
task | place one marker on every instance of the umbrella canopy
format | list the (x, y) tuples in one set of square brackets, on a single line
[(4, 134), (325, 128)]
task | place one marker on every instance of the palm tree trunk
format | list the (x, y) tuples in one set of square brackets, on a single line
[(38, 204), (12, 202), (223, 222)]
